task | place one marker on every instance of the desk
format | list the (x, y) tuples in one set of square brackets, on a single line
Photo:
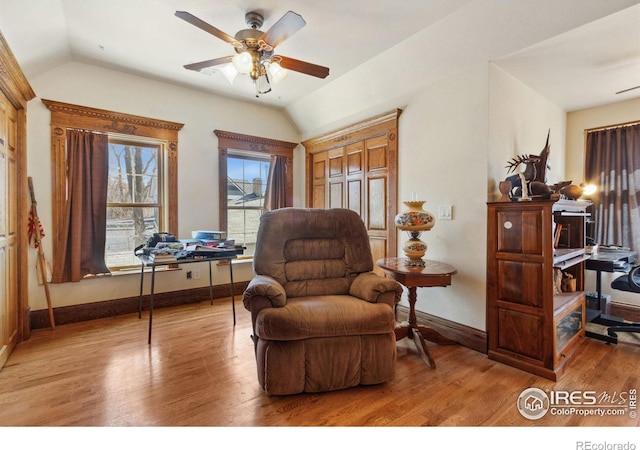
[(433, 273), (147, 262), (606, 260)]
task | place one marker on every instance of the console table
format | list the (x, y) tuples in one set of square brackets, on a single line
[(433, 273), (147, 262)]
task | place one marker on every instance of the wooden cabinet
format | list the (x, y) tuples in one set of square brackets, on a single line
[(531, 325)]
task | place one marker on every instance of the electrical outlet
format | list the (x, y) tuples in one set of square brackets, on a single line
[(189, 275), (196, 274), (444, 212)]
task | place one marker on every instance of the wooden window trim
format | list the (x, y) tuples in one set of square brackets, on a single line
[(236, 141), (64, 115)]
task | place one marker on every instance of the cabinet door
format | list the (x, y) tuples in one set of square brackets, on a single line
[(357, 168), (359, 177), (378, 202), (8, 229), (518, 285)]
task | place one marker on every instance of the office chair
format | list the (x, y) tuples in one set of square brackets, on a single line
[(629, 282)]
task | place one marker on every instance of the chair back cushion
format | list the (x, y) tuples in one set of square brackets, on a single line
[(312, 251)]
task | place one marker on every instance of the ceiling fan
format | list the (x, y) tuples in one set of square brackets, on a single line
[(255, 50)]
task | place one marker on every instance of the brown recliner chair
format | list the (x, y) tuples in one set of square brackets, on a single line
[(322, 320)]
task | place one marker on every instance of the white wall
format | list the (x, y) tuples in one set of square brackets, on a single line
[(577, 123), (442, 157), (519, 120), (201, 113)]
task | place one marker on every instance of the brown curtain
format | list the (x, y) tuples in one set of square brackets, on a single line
[(613, 164), (83, 235), (275, 196)]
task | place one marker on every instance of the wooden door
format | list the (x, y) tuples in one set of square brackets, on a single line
[(8, 229), (380, 209), (15, 92), (356, 168)]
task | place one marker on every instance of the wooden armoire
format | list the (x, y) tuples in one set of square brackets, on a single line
[(357, 168), (15, 92)]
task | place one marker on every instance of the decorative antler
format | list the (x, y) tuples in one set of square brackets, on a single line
[(513, 164)]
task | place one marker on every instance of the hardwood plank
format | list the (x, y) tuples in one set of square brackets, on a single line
[(200, 371)]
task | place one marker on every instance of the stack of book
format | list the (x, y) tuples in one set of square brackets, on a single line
[(162, 255)]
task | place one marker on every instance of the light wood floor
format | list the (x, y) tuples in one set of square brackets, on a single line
[(200, 371)]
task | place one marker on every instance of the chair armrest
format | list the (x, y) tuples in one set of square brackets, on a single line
[(375, 288), (634, 278), (263, 287)]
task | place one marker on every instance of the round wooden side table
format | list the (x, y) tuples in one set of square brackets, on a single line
[(434, 273)]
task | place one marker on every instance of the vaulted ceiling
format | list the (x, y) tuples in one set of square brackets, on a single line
[(580, 66)]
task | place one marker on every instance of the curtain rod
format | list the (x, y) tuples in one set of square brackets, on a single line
[(617, 125)]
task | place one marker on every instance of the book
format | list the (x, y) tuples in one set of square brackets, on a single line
[(209, 235), (207, 251), (167, 257), (164, 254)]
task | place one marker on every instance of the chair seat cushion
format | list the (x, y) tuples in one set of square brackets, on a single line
[(623, 283), (324, 316)]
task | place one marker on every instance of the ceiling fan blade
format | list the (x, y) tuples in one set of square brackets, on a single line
[(208, 63), (286, 26), (303, 67), (193, 20)]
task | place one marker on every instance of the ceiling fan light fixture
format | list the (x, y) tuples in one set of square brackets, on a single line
[(243, 62), (278, 73), (255, 50), (229, 71)]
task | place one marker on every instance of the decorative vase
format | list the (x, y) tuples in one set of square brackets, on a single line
[(415, 220)]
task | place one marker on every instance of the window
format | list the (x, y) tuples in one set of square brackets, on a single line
[(246, 185), (143, 175), (243, 167), (134, 198)]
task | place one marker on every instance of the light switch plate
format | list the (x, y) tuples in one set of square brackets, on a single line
[(445, 212)]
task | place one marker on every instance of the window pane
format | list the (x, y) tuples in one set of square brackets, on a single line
[(246, 186), (246, 181), (126, 229), (133, 174), (133, 179), (243, 227)]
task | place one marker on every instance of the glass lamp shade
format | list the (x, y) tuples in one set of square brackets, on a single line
[(243, 62), (229, 71), (262, 84), (414, 220), (278, 73)]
